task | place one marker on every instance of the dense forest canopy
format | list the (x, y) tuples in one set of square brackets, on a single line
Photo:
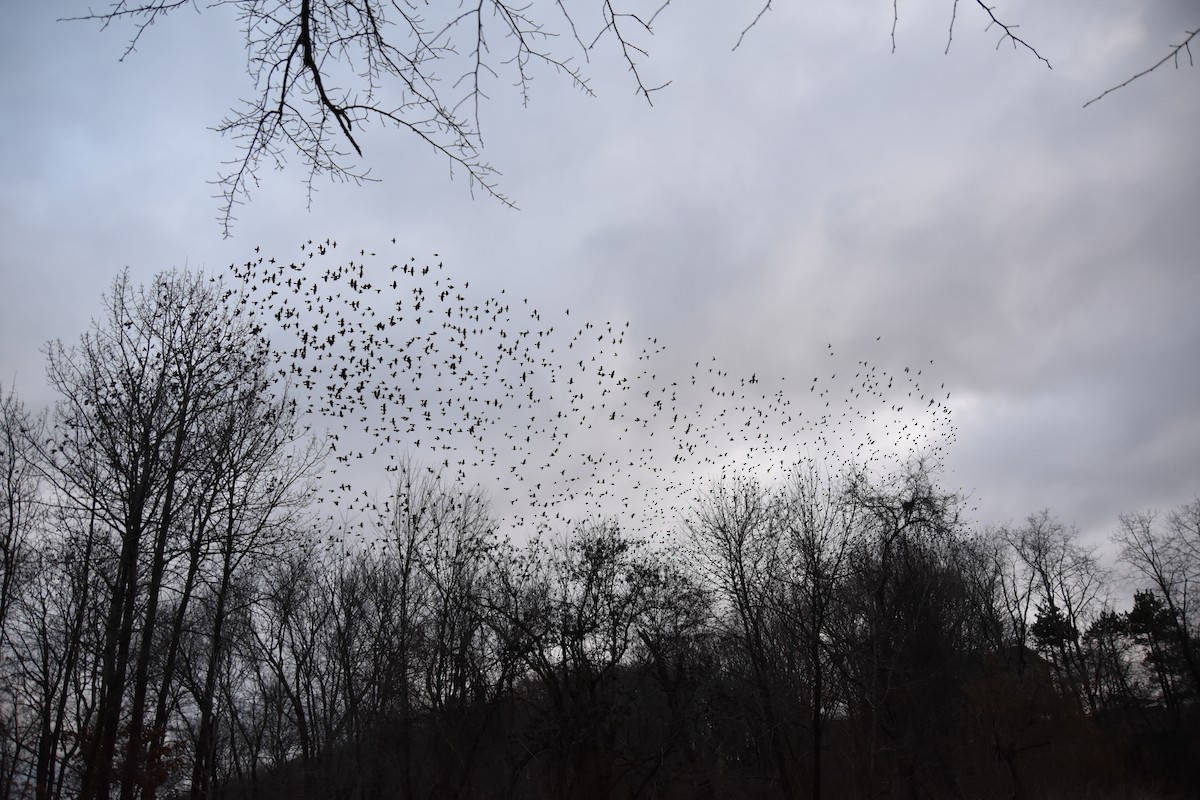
[(565, 588)]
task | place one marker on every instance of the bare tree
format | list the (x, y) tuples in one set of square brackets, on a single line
[(739, 549), (903, 616), (20, 479), (417, 498), (574, 607), (676, 651), (287, 653), (464, 665), (20, 508), (137, 431), (1164, 551), (821, 525), (1065, 584), (259, 484)]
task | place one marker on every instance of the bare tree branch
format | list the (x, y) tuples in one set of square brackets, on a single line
[(1008, 34), (1183, 47), (953, 17), (766, 7), (629, 50), (145, 16), (325, 70), (1008, 29), (896, 21)]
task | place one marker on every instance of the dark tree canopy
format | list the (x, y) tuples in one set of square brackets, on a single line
[(180, 618)]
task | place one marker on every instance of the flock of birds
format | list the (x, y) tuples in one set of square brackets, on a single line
[(560, 421)]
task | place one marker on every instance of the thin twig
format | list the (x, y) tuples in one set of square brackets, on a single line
[(1008, 33), (953, 17), (1184, 46), (766, 7), (895, 22)]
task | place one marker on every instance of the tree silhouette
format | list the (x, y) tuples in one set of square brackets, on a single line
[(170, 437), (185, 613)]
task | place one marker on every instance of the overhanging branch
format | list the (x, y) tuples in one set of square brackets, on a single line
[(1183, 47)]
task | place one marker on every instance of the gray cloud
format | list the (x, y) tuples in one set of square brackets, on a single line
[(811, 188)]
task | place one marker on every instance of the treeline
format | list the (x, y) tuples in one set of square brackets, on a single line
[(172, 623)]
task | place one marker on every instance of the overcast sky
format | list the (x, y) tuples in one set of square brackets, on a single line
[(811, 188)]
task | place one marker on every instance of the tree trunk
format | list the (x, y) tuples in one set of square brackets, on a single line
[(135, 753)]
